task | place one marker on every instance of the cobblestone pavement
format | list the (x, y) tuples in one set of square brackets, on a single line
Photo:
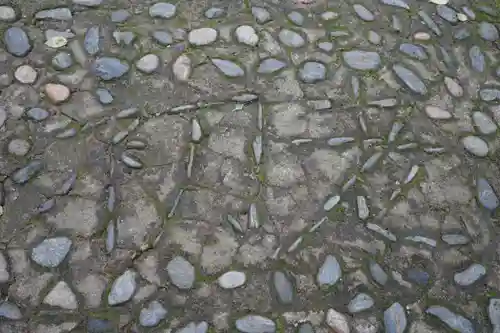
[(249, 166)]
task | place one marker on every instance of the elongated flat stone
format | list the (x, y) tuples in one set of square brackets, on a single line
[(229, 68), (470, 275), (17, 42), (453, 320), (283, 287), (475, 145), (362, 60), (486, 195), (363, 12), (232, 279), (108, 68), (410, 79), (291, 38), (395, 319), (396, 3), (270, 65), (414, 51), (477, 59), (330, 272), (255, 324)]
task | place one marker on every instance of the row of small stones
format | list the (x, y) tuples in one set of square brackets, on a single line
[(51, 252)]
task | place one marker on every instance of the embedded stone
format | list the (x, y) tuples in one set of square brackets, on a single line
[(202, 36), (362, 60), (330, 272), (163, 10), (181, 273), (291, 38), (312, 72)]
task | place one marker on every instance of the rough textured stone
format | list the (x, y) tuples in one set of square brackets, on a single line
[(51, 252), (181, 273)]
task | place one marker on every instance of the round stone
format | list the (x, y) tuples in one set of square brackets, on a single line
[(296, 18), (437, 113), (162, 10), (163, 37), (232, 279), (291, 38), (214, 12), (18, 147), (152, 315), (362, 60), (182, 67), (7, 14), (484, 123), (488, 31), (475, 145), (261, 15), (104, 96), (51, 252), (148, 63), (25, 74), (202, 36), (62, 61), (328, 16), (181, 273), (246, 34), (57, 93), (312, 72), (17, 42)]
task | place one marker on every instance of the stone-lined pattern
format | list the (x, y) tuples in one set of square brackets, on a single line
[(249, 166)]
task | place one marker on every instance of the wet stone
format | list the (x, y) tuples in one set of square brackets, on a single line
[(296, 18), (484, 123), (414, 51), (23, 175), (378, 273), (470, 275), (7, 14), (283, 287), (151, 315), (489, 95), (312, 72), (447, 13), (108, 68), (162, 10), (255, 324), (123, 288), (51, 252), (181, 273), (486, 195), (261, 15), (325, 46), (360, 303), (488, 31), (148, 63), (228, 68), (62, 61), (270, 65), (410, 79), (214, 12), (25, 74), (231, 280), (10, 311), (16, 41), (61, 14), (37, 114), (362, 60), (477, 58), (18, 147), (374, 37), (494, 312), (91, 42), (291, 38), (61, 296), (475, 145), (454, 321), (363, 12), (163, 37), (119, 16), (104, 96), (330, 272), (418, 276), (395, 319), (202, 36), (337, 321)]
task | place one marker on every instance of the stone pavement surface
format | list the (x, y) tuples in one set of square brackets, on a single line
[(249, 166)]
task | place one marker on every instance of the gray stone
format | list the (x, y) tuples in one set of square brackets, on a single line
[(124, 37), (296, 17), (360, 303), (229, 68), (202, 36), (312, 72), (163, 37), (447, 13), (59, 14), (17, 42), (119, 16), (486, 195), (246, 34), (362, 60), (291, 38), (453, 87), (283, 287), (488, 31), (395, 319), (96, 325), (232, 279), (10, 311), (181, 273), (61, 296), (123, 288), (30, 170), (325, 46), (455, 239), (489, 94), (396, 3), (87, 3), (363, 12), (91, 42), (108, 68), (470, 275), (306, 328), (51, 251), (484, 123), (255, 324), (337, 321), (330, 272), (62, 60), (494, 312), (270, 65), (454, 321), (193, 328), (148, 63), (151, 315), (429, 22), (410, 79), (418, 276), (475, 145), (18, 147), (104, 96), (261, 15), (37, 114), (162, 10), (214, 12), (461, 34), (182, 67), (4, 269), (7, 14), (374, 37), (414, 51), (477, 58)]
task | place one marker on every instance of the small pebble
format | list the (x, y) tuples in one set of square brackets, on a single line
[(57, 93), (19, 147), (148, 63), (25, 74)]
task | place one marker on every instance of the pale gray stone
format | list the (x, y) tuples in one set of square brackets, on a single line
[(51, 252), (151, 315), (181, 273), (255, 324), (454, 321), (123, 288), (395, 319), (470, 275), (330, 272), (163, 10), (362, 60)]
